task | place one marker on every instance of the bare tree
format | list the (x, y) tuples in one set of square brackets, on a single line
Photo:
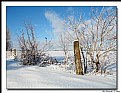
[(100, 34), (29, 46), (73, 32), (8, 39), (96, 34), (64, 45)]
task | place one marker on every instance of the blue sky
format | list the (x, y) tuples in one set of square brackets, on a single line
[(45, 19)]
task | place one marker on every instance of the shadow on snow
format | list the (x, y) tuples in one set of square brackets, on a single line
[(13, 65)]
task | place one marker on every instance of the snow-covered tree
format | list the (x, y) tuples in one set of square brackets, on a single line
[(64, 46), (96, 34), (30, 54)]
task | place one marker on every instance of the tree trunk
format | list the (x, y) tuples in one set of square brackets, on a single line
[(78, 64), (97, 63), (86, 63), (65, 58), (97, 68), (85, 66)]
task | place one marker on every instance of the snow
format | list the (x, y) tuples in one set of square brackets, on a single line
[(53, 76)]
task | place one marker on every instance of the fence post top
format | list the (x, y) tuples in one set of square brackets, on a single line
[(75, 40)]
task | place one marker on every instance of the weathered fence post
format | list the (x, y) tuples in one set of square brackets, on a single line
[(14, 52), (11, 52), (78, 64)]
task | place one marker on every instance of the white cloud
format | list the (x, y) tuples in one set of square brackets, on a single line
[(57, 26), (56, 22)]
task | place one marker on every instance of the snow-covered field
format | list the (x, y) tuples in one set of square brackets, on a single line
[(53, 76)]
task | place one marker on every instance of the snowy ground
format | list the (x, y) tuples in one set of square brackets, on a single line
[(19, 76)]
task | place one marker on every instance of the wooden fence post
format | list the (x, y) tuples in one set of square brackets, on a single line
[(14, 52), (11, 52), (78, 64)]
